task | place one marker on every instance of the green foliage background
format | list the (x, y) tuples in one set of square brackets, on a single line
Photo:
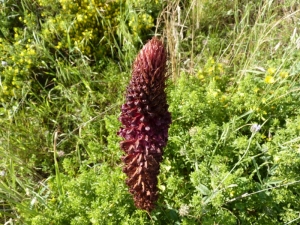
[(233, 155)]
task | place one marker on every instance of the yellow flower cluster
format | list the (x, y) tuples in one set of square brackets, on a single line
[(140, 23), (16, 65), (211, 69), (85, 24), (270, 75), (90, 26), (212, 75), (269, 79)]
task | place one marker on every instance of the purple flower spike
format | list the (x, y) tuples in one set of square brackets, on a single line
[(145, 123)]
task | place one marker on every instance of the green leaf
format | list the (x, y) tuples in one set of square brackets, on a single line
[(203, 189)]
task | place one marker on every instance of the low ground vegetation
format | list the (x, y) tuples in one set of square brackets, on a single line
[(233, 155)]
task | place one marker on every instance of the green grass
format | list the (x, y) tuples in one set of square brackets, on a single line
[(233, 152)]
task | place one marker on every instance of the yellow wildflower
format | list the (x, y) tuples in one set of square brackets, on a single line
[(269, 79), (214, 93), (210, 70), (283, 74), (223, 98), (79, 17), (271, 71), (59, 45), (200, 76), (211, 60)]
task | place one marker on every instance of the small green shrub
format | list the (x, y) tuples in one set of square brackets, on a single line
[(85, 199), (227, 137), (41, 38)]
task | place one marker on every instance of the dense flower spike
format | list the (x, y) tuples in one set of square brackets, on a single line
[(146, 121)]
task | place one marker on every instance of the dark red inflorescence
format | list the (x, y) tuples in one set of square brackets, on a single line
[(145, 123)]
